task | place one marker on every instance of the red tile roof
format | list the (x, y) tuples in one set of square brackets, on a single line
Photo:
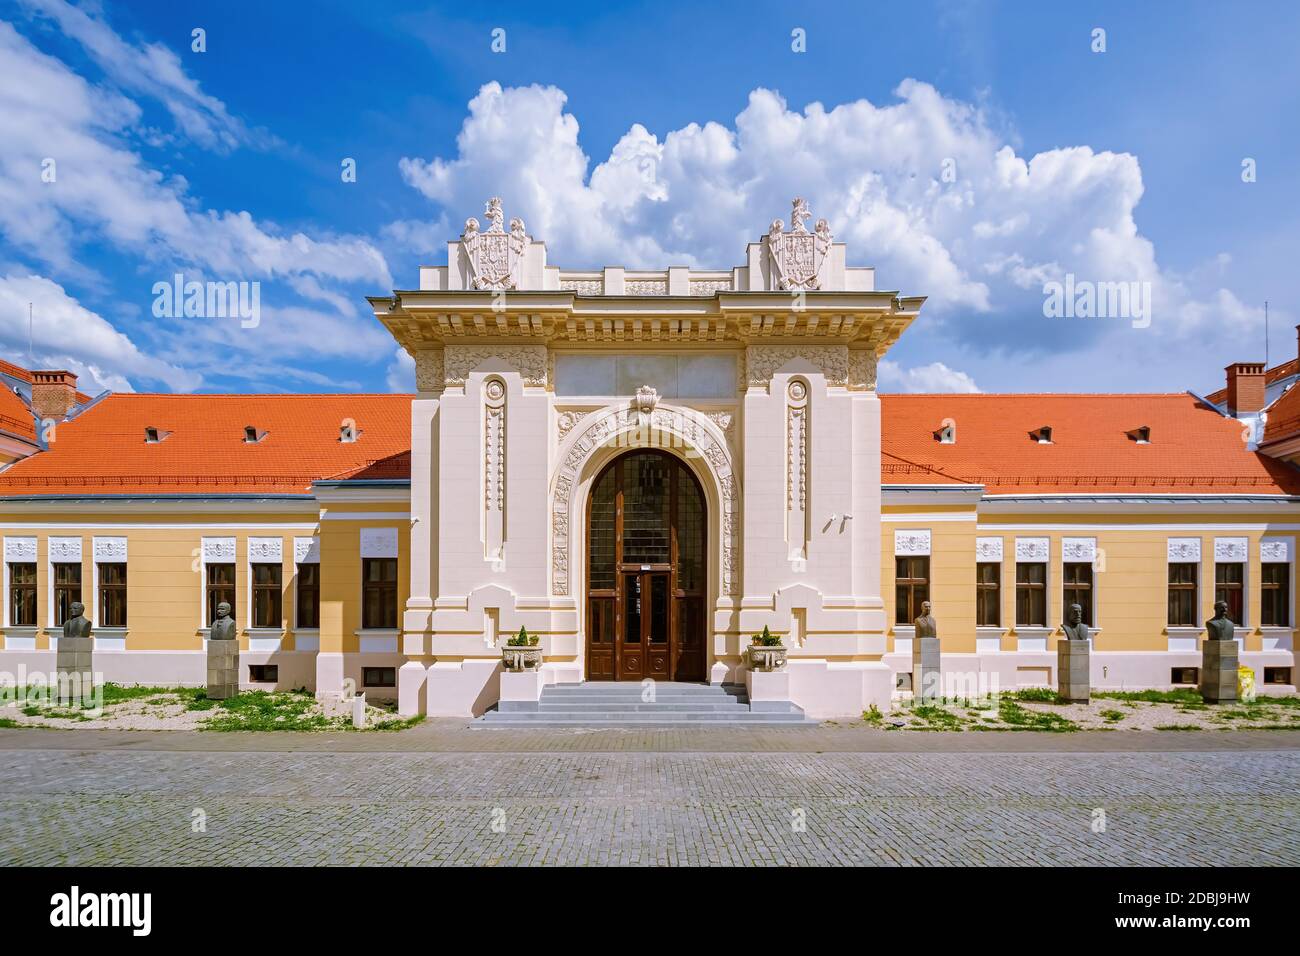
[(1193, 449), (103, 450), (17, 371), (15, 417), (1274, 374), (1283, 416)]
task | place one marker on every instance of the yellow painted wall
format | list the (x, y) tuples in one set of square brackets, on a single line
[(165, 601), (1130, 579)]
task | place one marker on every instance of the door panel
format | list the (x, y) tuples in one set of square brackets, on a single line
[(646, 571)]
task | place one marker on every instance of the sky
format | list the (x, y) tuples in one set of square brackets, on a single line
[(974, 153)]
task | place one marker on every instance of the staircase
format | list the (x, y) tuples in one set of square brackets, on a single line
[(611, 704)]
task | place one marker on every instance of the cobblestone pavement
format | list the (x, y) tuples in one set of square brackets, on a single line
[(110, 804)]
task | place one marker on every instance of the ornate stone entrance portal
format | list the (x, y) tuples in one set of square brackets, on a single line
[(646, 571)]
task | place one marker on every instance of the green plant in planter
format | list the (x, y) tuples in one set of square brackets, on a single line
[(767, 639), (522, 639)]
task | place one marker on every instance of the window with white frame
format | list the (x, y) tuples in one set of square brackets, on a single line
[(218, 557), (20, 582), (1275, 582), (110, 582), (378, 579), (1078, 560), (988, 582), (1031, 582), (266, 582), (1184, 560), (1230, 556), (306, 583)]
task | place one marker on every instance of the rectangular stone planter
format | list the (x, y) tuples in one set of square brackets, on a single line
[(926, 682), (73, 668), (1073, 671), (223, 669), (1219, 672)]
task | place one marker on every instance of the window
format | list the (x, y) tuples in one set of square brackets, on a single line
[(67, 590), (1277, 675), (112, 595), (1185, 675), (22, 594), (221, 588), (308, 596), (1031, 594), (379, 677), (267, 596), (1228, 579), (1182, 594), (379, 593), (1275, 595), (263, 673), (1078, 588), (988, 594), (911, 587)]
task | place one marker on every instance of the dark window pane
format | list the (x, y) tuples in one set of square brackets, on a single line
[(1078, 589), (112, 594), (22, 594), (267, 596), (601, 542), (1182, 594), (308, 596), (221, 589), (1031, 594), (379, 593), (988, 594), (646, 497), (1275, 595), (67, 590), (1228, 579), (911, 587)]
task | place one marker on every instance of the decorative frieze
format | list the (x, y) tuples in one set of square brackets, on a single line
[(306, 550), (65, 550), (988, 549), (763, 361), (1230, 550), (567, 420), (710, 286), (430, 374), (697, 436), (862, 369), (215, 550), (21, 550), (265, 550), (1032, 549), (646, 286), (583, 286), (1184, 550), (911, 542), (529, 360), (110, 550), (378, 542), (1079, 549), (1275, 550)]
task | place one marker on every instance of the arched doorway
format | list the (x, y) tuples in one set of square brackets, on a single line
[(647, 572)]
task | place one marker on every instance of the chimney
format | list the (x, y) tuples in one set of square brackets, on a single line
[(1245, 387), (53, 394)]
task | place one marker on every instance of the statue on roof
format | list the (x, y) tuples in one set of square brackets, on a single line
[(798, 256)]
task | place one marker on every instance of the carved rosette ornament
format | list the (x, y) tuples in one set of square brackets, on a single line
[(798, 256), (529, 360), (494, 256), (695, 436), (763, 361)]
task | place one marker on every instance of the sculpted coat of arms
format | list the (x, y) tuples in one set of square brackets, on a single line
[(798, 255), (494, 256)]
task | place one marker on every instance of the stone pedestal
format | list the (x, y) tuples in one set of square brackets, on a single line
[(1072, 671), (521, 690), (223, 669), (926, 682), (74, 674), (768, 690), (1219, 672)]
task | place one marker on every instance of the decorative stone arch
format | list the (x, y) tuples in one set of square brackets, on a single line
[(603, 433)]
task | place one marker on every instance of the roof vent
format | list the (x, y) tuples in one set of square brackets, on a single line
[(153, 436), (252, 436), (1141, 435), (946, 433), (1042, 435), (348, 431)]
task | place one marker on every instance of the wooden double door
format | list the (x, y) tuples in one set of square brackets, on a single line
[(646, 571)]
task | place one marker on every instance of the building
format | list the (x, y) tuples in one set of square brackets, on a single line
[(645, 469)]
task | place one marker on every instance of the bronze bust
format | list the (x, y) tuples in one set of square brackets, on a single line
[(1220, 626), (925, 624), (223, 628), (1074, 628), (77, 624)]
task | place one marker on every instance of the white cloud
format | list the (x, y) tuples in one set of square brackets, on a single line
[(153, 70), (65, 334), (922, 187), (401, 373), (935, 377)]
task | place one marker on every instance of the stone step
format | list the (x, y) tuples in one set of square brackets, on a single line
[(582, 719), (631, 707), (636, 690)]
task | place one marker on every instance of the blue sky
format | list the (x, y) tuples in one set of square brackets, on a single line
[(1123, 165)]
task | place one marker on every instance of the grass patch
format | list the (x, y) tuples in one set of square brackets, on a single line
[(936, 718), (1018, 718), (1177, 727), (401, 724), (263, 710), (1113, 716), (1036, 695), (873, 716), (9, 722)]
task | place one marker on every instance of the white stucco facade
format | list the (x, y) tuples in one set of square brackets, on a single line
[(532, 380)]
